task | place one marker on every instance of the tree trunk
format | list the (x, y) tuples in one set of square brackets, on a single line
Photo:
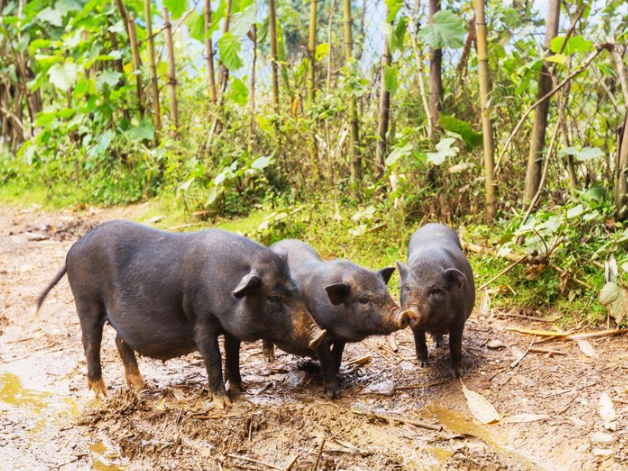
[(487, 128), (537, 143), (136, 62), (172, 75), (210, 52), (384, 108), (436, 82), (311, 50), (252, 97), (224, 72), (153, 65), (353, 109), (273, 54), (621, 186)]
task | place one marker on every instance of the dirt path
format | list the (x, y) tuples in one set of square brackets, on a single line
[(49, 420)]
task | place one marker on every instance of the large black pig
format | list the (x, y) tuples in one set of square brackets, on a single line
[(437, 286), (348, 301), (168, 294)]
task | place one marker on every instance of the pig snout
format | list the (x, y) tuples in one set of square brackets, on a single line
[(317, 337), (402, 319), (415, 316)]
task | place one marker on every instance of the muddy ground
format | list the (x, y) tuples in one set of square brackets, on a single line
[(549, 404)]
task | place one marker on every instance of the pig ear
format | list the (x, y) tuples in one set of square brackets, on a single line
[(455, 277), (386, 273), (248, 283), (403, 269), (338, 292)]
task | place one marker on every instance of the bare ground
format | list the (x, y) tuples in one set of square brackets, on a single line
[(49, 420)]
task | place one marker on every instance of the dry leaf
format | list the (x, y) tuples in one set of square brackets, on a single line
[(607, 411), (385, 387), (481, 409), (524, 418), (587, 349), (178, 394), (602, 438)]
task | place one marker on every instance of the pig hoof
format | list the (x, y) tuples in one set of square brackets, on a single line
[(438, 341), (135, 382), (422, 363), (457, 371), (269, 354), (221, 401), (236, 388), (98, 386), (333, 390)]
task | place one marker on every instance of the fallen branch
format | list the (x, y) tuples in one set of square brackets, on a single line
[(251, 460), (421, 386), (291, 464), (320, 453), (503, 272), (521, 316), (516, 362), (391, 418), (359, 361), (538, 333), (392, 343), (601, 333), (546, 350)]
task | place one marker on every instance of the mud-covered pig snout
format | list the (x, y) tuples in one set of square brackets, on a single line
[(316, 337), (403, 319), (415, 318)]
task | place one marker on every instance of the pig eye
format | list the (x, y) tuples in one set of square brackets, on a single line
[(436, 292), (274, 299), (364, 300), (406, 287)]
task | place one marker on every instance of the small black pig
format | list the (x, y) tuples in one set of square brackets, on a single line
[(168, 294), (348, 301), (437, 286)]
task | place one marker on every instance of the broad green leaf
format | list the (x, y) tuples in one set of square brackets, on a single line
[(196, 24), (214, 193), (146, 130), (557, 58), (471, 138), (446, 30), (390, 79), (398, 153), (110, 77), (242, 22), (229, 46), (83, 87), (176, 8), (54, 16), (239, 92), (575, 44), (575, 212), (63, 75), (444, 149), (587, 153), (38, 44), (393, 7), (321, 51), (399, 34), (261, 163), (185, 185)]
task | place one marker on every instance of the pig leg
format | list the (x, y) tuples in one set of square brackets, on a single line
[(336, 352), (438, 340), (328, 365), (421, 347), (232, 364), (92, 319), (207, 342), (131, 370), (268, 350), (455, 349)]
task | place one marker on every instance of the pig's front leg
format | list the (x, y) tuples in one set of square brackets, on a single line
[(232, 364), (336, 351), (455, 349), (421, 347), (328, 365), (207, 342)]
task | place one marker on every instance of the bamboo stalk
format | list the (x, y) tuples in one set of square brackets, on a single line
[(210, 52), (487, 127), (224, 72), (252, 96), (273, 54), (419, 73), (172, 75), (311, 51), (384, 107), (153, 66), (354, 158), (136, 62), (436, 81)]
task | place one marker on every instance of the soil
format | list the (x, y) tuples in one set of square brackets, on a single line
[(49, 420)]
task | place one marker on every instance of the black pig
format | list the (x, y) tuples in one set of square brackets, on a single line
[(437, 286), (168, 294), (348, 301)]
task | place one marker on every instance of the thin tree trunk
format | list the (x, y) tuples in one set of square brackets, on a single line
[(436, 81), (252, 97), (384, 108), (153, 66), (487, 128), (124, 16), (172, 75), (311, 50), (419, 63), (537, 143), (210, 52), (621, 172), (329, 41), (353, 109), (273, 54), (224, 72), (136, 62)]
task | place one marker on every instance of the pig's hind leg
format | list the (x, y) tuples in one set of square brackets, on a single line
[(268, 350), (336, 352), (131, 370), (232, 364), (455, 349), (207, 341), (438, 340), (421, 347), (92, 318)]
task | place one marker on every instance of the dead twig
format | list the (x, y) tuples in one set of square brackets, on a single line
[(521, 316), (503, 272), (546, 350), (421, 386), (291, 464), (252, 460), (589, 335), (391, 418), (320, 453), (516, 362)]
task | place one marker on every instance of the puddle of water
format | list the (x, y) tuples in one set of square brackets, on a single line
[(98, 451), (465, 425), (12, 392)]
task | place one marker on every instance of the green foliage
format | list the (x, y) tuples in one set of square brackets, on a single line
[(176, 8), (229, 47), (444, 149), (471, 138), (446, 30)]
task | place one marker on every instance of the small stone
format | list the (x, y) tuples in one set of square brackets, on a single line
[(602, 438), (603, 452), (495, 344)]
